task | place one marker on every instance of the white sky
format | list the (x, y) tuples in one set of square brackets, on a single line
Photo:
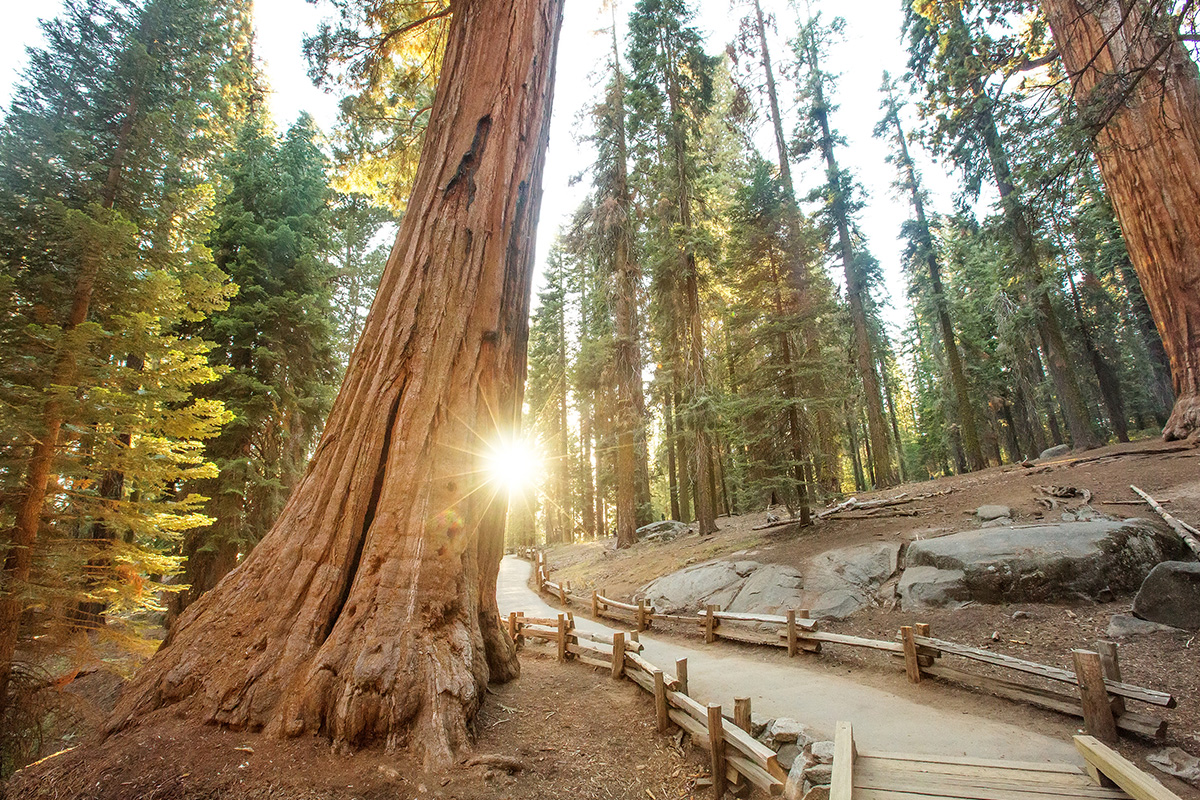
[(872, 44)]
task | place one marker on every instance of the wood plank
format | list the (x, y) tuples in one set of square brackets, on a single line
[(593, 662), (618, 655), (639, 662), (1002, 763), (748, 636), (911, 665), (1097, 713), (755, 774), (1110, 661), (1121, 771), (617, 604), (1053, 673), (841, 786), (716, 749), (692, 727), (681, 674), (579, 649), (1147, 725), (986, 785), (846, 639), (660, 701), (741, 712), (769, 619), (1077, 779)]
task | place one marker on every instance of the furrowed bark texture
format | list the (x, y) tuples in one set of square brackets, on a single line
[(368, 612), (1135, 83)]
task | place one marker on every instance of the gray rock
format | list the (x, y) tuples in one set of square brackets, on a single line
[(663, 531), (985, 513), (1056, 451), (769, 589), (1177, 762), (691, 588), (1122, 626), (1032, 563), (817, 793), (793, 788), (998, 522), (758, 724), (786, 731), (788, 755), (1170, 595), (839, 582), (930, 587), (819, 774), (822, 752)]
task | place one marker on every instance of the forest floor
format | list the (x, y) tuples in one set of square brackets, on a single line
[(1165, 660), (575, 732)]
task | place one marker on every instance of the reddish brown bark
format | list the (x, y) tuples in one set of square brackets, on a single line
[(1134, 82), (368, 612)]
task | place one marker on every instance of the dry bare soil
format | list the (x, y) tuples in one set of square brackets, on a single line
[(574, 732)]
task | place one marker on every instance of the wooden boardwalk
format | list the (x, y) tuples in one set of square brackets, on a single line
[(905, 776)]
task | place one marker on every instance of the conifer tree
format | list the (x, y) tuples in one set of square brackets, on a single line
[(274, 342), (105, 207), (840, 205), (671, 90)]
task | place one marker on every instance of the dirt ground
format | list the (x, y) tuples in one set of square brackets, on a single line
[(575, 731), (1168, 661)]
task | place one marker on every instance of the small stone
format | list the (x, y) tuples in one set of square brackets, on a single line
[(990, 512), (817, 793), (1177, 762), (758, 724), (783, 731), (823, 752), (1122, 626), (788, 755), (1170, 595), (391, 773), (995, 636), (1056, 451), (794, 788), (819, 774), (999, 522), (1020, 615)]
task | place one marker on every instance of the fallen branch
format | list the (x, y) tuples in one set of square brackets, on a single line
[(1146, 451), (1190, 535), (506, 763)]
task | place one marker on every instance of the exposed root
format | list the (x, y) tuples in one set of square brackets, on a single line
[(1185, 418)]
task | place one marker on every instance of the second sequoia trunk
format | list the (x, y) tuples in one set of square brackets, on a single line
[(368, 613), (1138, 89)]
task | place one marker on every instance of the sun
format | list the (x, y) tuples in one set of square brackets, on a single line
[(514, 463)]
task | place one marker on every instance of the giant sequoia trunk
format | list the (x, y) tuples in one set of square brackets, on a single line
[(369, 612), (1135, 84)]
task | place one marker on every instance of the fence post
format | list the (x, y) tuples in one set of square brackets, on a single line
[(562, 594), (512, 625), (520, 636), (716, 749), (641, 615), (633, 636), (595, 604), (791, 633), (710, 622), (660, 700), (1112, 671), (1097, 713), (741, 713), (925, 655), (681, 674), (562, 638), (618, 655), (911, 665)]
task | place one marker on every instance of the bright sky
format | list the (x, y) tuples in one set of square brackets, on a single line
[(872, 44)]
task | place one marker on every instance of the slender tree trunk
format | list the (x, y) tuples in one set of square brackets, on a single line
[(1106, 376), (369, 611), (672, 470), (1136, 85), (964, 411), (1161, 391), (855, 291), (630, 401), (683, 460), (586, 473)]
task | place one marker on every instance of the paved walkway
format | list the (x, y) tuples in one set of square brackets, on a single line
[(882, 720)]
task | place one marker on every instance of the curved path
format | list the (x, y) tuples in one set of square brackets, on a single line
[(882, 720)]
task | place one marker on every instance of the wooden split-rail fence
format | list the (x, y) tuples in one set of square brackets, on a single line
[(738, 760), (1093, 690)]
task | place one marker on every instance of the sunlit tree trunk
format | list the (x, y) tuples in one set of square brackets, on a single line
[(368, 613), (1138, 90)]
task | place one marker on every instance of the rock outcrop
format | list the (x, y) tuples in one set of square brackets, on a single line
[(1031, 563)]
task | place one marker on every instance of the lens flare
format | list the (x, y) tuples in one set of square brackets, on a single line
[(514, 464)]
